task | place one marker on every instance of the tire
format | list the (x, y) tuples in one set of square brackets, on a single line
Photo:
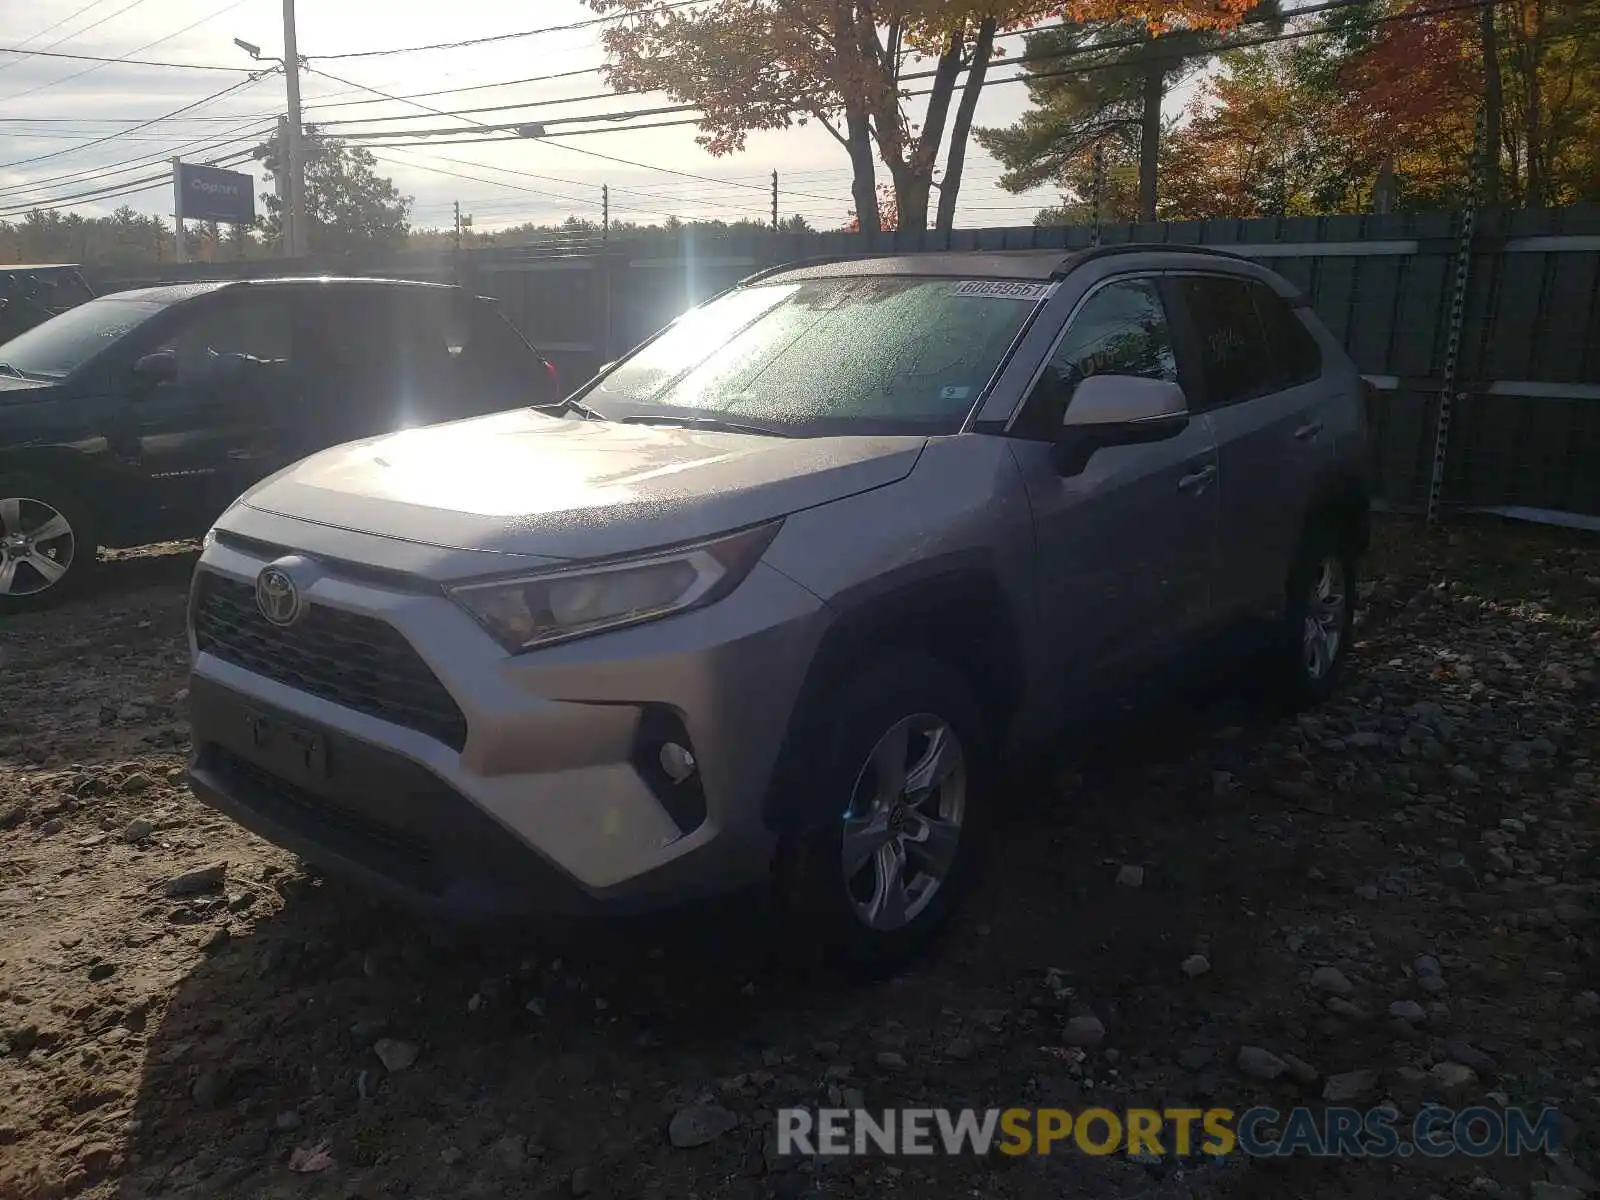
[(1319, 620), (912, 709), (31, 505)]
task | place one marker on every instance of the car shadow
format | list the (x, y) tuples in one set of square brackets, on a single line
[(436, 1061)]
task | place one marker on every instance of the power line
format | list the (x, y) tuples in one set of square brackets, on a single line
[(1024, 77), (572, 149), (595, 70), (476, 87), (99, 141), (1016, 60), (72, 16), (590, 201), (77, 33), (139, 161), (499, 37), (126, 62), (132, 187), (698, 201), (226, 8)]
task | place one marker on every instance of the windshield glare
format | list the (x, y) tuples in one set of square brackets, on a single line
[(62, 344), (851, 355)]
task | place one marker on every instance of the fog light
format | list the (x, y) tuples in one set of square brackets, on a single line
[(676, 761)]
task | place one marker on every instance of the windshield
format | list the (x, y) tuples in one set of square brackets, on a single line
[(826, 356), (62, 344)]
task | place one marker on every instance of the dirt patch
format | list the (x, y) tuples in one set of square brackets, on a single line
[(1401, 881)]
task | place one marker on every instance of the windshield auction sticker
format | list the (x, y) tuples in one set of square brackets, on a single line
[(1001, 289)]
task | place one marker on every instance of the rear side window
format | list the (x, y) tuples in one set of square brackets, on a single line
[(71, 290), (1296, 357), (1251, 342)]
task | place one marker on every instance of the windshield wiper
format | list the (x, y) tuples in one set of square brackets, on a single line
[(12, 371), (570, 406), (713, 423)]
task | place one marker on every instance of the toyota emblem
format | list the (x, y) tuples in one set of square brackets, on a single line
[(277, 597)]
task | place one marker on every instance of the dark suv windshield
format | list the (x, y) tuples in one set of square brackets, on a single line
[(827, 356), (62, 344)]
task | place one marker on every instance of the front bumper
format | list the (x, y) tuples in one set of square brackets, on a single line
[(546, 806)]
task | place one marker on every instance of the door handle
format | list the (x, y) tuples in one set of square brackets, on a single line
[(1308, 431), (1199, 479)]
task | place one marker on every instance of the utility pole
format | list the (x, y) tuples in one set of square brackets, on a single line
[(458, 225), (774, 202), (1099, 192), (177, 208), (298, 239), (280, 185), (605, 212)]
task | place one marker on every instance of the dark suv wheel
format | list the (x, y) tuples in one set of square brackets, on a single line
[(900, 764), (46, 543)]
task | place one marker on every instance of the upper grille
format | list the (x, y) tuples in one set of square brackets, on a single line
[(355, 661)]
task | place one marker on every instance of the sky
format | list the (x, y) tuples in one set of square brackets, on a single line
[(67, 126)]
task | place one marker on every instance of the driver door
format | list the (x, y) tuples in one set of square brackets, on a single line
[(221, 420), (1125, 545)]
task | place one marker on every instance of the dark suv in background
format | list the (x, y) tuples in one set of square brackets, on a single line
[(31, 295), (139, 416)]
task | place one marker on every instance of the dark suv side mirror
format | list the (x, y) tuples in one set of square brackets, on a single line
[(152, 369), (1117, 410)]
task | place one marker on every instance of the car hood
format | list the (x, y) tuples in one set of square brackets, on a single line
[(525, 483)]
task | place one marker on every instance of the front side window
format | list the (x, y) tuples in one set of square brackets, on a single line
[(827, 356), (232, 337), (65, 343), (1121, 329)]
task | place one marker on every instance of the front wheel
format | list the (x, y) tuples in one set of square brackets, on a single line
[(46, 547), (899, 767)]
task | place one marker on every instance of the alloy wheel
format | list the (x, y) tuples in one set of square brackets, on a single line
[(37, 546), (1323, 634), (902, 830)]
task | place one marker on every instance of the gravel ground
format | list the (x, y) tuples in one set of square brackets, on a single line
[(1402, 883)]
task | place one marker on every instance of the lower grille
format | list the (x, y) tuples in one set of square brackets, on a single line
[(389, 851), (358, 662)]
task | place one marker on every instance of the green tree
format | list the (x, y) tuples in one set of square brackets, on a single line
[(352, 209), (1099, 84)]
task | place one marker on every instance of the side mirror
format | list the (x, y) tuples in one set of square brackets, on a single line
[(1118, 410), (153, 369), (1123, 400)]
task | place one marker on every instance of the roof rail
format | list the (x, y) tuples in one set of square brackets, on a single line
[(820, 260), (1077, 259)]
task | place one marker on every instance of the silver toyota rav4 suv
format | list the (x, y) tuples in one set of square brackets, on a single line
[(766, 600)]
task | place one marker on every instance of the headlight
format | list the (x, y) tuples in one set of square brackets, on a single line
[(554, 606)]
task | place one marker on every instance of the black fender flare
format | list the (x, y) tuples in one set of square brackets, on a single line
[(1343, 502), (957, 612)]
